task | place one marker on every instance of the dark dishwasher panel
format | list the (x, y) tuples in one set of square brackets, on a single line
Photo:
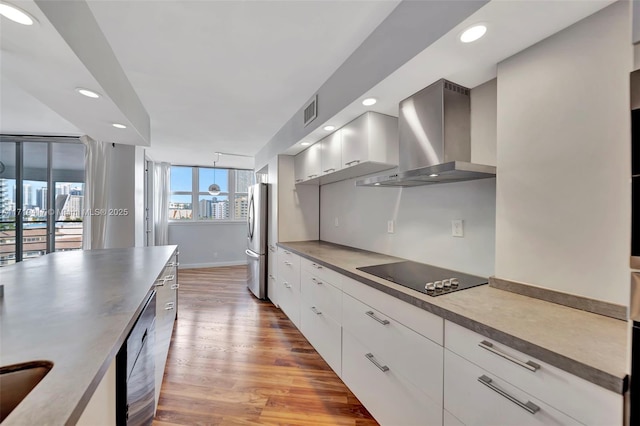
[(135, 365)]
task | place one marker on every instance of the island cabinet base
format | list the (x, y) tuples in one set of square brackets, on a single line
[(101, 409)]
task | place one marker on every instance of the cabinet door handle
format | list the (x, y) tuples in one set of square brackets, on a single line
[(161, 282), (299, 180), (286, 284), (287, 252), (316, 266), (371, 358), (528, 406), (169, 277), (173, 264), (272, 277), (529, 365), (315, 280), (329, 170), (311, 176), (287, 263), (351, 162), (175, 286), (315, 311), (168, 306), (380, 320)]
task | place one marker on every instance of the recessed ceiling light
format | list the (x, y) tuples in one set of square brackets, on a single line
[(15, 14), (119, 126), (329, 128), (472, 34), (369, 101), (377, 184), (305, 143), (88, 93), (433, 175)]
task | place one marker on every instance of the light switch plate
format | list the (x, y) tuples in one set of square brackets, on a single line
[(336, 222), (390, 226), (457, 228)]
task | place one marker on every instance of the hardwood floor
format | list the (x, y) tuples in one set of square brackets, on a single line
[(237, 360)]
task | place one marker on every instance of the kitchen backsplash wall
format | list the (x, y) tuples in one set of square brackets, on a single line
[(421, 219), (563, 191)]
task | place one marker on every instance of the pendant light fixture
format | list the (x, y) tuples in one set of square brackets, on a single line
[(214, 188)]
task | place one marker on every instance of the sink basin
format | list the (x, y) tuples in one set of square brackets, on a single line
[(16, 381)]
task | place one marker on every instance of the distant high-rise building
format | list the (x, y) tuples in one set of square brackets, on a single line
[(205, 208), (41, 198), (27, 196), (63, 189), (244, 179), (220, 209), (4, 198), (241, 207)]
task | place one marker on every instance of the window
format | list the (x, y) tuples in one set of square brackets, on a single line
[(41, 196), (190, 198)]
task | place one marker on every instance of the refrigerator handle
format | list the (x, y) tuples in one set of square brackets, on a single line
[(251, 218), (252, 254)]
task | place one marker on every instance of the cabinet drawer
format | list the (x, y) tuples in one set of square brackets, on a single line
[(288, 266), (582, 400), (419, 320), (324, 334), (475, 403), (316, 292), (289, 300), (390, 398), (413, 356), (321, 272)]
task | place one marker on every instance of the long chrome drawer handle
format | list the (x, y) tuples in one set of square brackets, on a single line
[(529, 406), (287, 252), (286, 284), (169, 277), (315, 311), (161, 282), (287, 263), (529, 365), (173, 264), (371, 358), (315, 280), (316, 266), (168, 306), (380, 320), (175, 286)]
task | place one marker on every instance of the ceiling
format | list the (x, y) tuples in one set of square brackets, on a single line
[(227, 75)]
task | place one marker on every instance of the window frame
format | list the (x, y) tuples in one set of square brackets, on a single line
[(195, 194)]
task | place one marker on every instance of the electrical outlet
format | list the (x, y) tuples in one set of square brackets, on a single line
[(336, 222), (390, 226), (457, 228)]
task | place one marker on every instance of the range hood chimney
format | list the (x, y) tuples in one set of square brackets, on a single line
[(434, 139)]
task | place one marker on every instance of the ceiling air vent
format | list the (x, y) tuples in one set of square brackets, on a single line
[(311, 110)]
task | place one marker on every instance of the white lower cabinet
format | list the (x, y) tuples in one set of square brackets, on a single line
[(288, 283), (389, 396), (323, 333), (477, 397)]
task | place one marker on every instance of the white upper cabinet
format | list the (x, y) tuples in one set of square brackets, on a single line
[(368, 144), (331, 148), (636, 21), (308, 165)]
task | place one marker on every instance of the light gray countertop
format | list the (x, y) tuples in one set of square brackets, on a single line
[(74, 309), (590, 346)]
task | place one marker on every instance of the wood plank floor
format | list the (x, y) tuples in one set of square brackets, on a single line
[(237, 360)]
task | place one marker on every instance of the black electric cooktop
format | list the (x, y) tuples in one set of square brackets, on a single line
[(426, 279)]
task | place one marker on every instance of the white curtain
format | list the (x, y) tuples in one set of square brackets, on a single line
[(161, 187), (97, 158)]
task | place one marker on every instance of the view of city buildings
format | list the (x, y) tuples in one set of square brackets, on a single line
[(67, 214)]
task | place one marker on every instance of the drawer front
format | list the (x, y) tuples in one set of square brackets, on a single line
[(475, 403), (322, 272), (582, 400), (289, 299), (289, 267), (324, 334), (316, 292), (388, 396), (419, 320), (272, 289), (413, 356)]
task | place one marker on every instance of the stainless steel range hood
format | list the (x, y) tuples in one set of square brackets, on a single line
[(435, 139)]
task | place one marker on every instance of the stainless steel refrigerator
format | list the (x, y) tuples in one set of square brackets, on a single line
[(257, 240)]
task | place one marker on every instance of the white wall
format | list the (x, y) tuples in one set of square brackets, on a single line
[(121, 186), (563, 193), (209, 244), (422, 219)]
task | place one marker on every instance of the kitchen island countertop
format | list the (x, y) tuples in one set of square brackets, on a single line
[(74, 309), (590, 346)]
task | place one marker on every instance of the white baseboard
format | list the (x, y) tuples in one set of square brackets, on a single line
[(212, 264)]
